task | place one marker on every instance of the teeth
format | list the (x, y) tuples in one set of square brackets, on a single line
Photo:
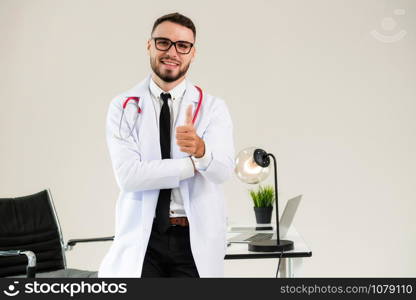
[(169, 63)]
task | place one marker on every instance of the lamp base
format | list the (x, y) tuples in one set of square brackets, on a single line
[(270, 246)]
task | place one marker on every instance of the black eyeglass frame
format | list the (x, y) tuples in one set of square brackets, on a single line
[(172, 43)]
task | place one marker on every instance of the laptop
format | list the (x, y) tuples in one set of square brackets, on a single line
[(285, 222)]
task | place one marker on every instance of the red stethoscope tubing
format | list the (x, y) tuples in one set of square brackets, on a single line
[(199, 104), (137, 99), (139, 110)]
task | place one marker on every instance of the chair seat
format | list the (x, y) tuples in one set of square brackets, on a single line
[(63, 273)]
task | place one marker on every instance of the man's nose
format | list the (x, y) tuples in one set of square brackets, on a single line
[(172, 51)]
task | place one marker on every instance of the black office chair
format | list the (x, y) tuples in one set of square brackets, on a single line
[(31, 242)]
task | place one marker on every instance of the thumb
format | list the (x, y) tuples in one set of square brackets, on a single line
[(189, 115)]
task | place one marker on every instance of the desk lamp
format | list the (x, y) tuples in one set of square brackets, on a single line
[(252, 166)]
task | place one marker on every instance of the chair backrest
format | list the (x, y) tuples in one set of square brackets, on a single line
[(30, 223)]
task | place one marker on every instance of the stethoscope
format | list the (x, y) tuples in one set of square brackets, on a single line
[(139, 110)]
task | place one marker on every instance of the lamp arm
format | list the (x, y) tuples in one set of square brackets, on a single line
[(276, 197)]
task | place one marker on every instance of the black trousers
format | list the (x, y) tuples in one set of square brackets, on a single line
[(169, 254)]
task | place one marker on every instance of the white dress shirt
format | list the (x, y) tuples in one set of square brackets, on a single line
[(202, 163)]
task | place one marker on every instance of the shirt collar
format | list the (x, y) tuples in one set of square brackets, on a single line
[(176, 92)]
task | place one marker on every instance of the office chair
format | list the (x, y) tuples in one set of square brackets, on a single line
[(31, 241)]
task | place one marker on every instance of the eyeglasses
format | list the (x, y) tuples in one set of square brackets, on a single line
[(164, 44)]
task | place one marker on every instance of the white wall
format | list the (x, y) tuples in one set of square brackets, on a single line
[(303, 79)]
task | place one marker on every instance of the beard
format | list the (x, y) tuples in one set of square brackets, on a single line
[(168, 75)]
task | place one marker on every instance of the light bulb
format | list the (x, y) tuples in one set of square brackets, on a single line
[(247, 170)]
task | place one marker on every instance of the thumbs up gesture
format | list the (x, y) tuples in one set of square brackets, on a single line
[(187, 139)]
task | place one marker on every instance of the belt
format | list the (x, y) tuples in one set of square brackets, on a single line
[(180, 221)]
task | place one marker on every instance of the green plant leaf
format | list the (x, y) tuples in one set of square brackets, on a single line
[(263, 197)]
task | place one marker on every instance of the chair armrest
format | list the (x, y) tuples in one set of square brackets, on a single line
[(31, 260), (73, 242)]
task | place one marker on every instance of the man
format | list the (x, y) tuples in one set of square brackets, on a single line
[(171, 147)]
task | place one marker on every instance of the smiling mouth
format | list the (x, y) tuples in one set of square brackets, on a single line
[(169, 63)]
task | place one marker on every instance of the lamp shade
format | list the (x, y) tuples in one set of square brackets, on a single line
[(247, 170)]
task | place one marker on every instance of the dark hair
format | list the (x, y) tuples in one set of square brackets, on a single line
[(176, 18)]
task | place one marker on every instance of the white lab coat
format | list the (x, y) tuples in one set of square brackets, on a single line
[(141, 173)]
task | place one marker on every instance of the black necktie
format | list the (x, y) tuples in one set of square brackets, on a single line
[(163, 202)]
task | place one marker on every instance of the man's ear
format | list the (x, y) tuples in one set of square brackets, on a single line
[(193, 54), (148, 46)]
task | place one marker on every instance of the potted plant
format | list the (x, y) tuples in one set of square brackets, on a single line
[(263, 200)]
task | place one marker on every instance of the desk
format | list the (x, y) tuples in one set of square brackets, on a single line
[(291, 260)]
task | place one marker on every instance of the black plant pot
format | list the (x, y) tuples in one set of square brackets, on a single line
[(263, 214)]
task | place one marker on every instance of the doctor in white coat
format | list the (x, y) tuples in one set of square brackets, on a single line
[(201, 160)]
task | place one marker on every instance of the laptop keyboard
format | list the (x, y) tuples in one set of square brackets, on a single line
[(260, 237)]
